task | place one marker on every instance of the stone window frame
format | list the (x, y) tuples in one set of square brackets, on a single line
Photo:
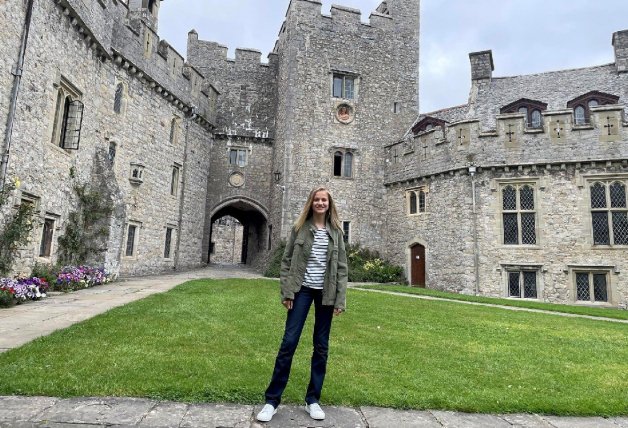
[(522, 271), (175, 179), (136, 173), (120, 98), (175, 129), (130, 249), (237, 160), (583, 104), (343, 162), (531, 107), (46, 241), (428, 123), (170, 238), (610, 273), (537, 185), (344, 76), (346, 231), (418, 195), (607, 181), (67, 120)]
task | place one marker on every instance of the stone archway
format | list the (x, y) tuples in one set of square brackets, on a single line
[(253, 218)]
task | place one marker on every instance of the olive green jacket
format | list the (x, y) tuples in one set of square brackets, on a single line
[(294, 263)]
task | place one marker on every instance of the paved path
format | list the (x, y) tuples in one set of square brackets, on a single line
[(23, 323)]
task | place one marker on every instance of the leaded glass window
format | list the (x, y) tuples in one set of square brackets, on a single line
[(343, 164), (536, 119), (238, 157), (592, 286), (168, 243), (522, 284), (518, 214), (417, 200), (117, 100), (609, 213), (579, 115), (130, 240)]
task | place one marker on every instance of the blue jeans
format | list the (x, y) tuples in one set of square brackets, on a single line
[(294, 326)]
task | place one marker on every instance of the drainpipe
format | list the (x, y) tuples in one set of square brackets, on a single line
[(188, 118), (476, 251), (17, 78)]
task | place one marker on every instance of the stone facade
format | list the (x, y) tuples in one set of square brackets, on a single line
[(485, 198)]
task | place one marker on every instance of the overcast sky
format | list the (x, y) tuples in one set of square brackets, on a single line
[(526, 36)]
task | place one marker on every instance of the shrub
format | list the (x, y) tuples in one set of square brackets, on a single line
[(367, 266), (77, 277), (47, 272), (274, 264)]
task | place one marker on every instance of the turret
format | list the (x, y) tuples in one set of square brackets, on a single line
[(146, 11)]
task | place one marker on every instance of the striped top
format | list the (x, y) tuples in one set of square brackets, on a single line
[(317, 262)]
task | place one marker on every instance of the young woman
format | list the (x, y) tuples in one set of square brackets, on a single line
[(313, 270)]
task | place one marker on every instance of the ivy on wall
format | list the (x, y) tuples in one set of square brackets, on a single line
[(16, 229)]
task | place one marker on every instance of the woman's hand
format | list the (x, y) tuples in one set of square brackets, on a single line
[(287, 303), (337, 311)]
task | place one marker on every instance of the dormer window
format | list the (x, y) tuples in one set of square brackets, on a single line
[(428, 123), (530, 108), (582, 105)]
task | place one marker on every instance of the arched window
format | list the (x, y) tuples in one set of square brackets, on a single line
[(422, 201), (417, 200), (343, 163), (174, 130), (593, 103), (413, 203), (117, 100), (68, 118), (531, 109), (579, 116)]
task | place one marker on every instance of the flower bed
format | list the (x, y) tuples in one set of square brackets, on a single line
[(14, 291), (77, 277), (70, 278)]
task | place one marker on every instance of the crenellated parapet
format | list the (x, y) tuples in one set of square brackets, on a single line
[(449, 147), (130, 41)]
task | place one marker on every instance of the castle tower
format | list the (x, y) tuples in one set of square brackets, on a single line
[(145, 10), (345, 90)]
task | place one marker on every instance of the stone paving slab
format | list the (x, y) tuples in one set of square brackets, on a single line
[(526, 420), (296, 416), (217, 415), (23, 408), (578, 422), (469, 420), (379, 417), (102, 411), (165, 415)]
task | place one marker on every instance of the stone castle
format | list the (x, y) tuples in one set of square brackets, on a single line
[(519, 193)]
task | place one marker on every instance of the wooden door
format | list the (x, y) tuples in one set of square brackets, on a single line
[(417, 266)]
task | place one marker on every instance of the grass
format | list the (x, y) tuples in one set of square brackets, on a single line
[(216, 340), (552, 307)]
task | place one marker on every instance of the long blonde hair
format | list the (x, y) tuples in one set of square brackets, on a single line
[(331, 215)]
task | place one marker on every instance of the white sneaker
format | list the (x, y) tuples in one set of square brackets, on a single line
[(267, 413), (315, 411)]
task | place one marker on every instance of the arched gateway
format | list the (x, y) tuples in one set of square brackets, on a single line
[(254, 218)]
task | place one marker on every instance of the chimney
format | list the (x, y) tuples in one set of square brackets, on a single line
[(481, 65), (620, 43)]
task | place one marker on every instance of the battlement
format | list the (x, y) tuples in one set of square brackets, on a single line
[(132, 43)]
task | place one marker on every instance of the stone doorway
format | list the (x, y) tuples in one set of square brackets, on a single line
[(417, 265), (237, 233)]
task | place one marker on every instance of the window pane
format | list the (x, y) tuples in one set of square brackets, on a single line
[(528, 232), (526, 196), (348, 87), (422, 201), (168, 241), (337, 164), (600, 228), (618, 195), (593, 103), (598, 196), (72, 125), (241, 157), (509, 198), (337, 91), (130, 240), (536, 119), (412, 203), (348, 164), (513, 284), (529, 285), (174, 184), (46, 238), (599, 287), (582, 286), (579, 115), (523, 110), (511, 234), (345, 231), (620, 227), (117, 101)]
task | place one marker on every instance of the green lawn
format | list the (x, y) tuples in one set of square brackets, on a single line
[(568, 309), (215, 341)]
